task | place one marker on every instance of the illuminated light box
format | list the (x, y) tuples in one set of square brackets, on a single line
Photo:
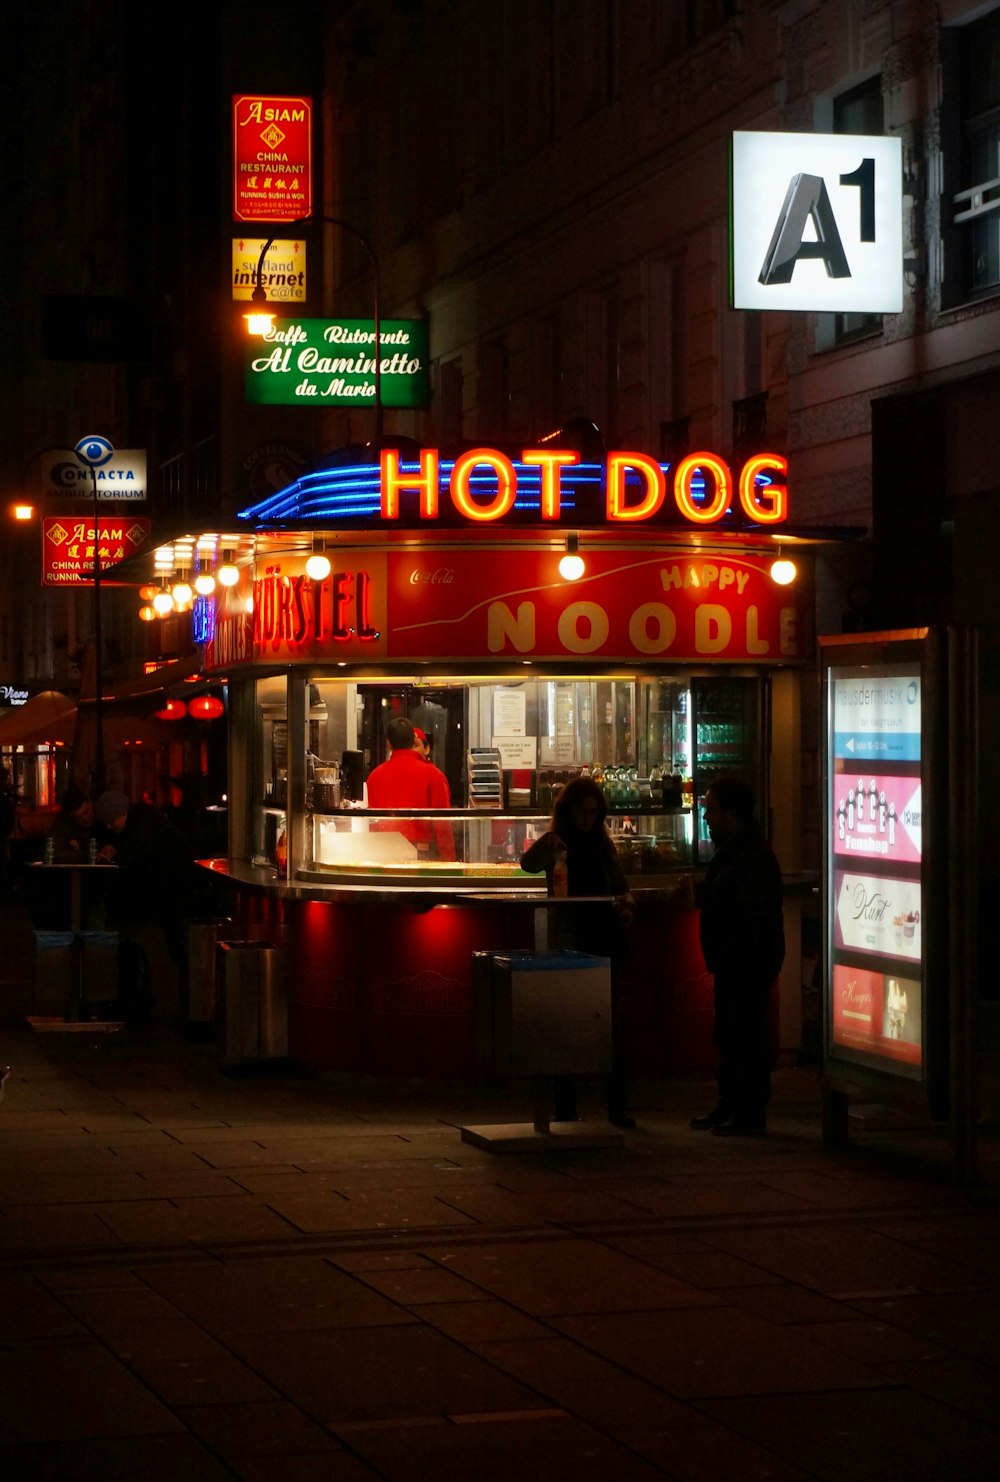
[(816, 222), (306, 362), (282, 273)]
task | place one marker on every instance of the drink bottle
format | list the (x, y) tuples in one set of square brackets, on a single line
[(92, 849), (50, 849)]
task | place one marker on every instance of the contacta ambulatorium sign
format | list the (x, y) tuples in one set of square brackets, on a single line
[(306, 361)]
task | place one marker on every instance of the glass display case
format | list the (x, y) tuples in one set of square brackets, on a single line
[(506, 747), (365, 843)]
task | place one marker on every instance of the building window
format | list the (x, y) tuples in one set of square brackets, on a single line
[(858, 111), (974, 266)]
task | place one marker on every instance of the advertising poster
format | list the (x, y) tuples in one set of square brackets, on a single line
[(877, 816), (876, 934), (875, 914), (878, 1013)]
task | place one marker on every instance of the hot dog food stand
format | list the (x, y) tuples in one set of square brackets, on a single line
[(663, 653)]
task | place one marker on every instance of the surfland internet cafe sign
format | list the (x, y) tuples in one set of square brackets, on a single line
[(817, 222), (308, 361)]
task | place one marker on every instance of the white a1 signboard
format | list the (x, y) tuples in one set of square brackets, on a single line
[(817, 222)]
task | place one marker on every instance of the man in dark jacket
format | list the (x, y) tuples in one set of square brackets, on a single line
[(743, 942), (157, 878)]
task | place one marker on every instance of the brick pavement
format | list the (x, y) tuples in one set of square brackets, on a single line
[(300, 1277)]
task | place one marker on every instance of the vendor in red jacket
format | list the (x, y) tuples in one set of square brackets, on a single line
[(407, 781)]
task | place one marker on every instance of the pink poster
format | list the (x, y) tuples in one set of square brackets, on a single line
[(877, 818), (878, 1013)]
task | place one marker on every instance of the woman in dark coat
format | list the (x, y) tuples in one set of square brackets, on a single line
[(578, 831)]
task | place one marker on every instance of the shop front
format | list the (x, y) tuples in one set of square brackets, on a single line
[(663, 654)]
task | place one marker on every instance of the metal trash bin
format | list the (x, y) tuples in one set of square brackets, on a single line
[(544, 1014), (99, 966), (202, 986), (56, 968), (254, 1001)]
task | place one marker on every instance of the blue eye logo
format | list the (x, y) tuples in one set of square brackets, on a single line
[(94, 451)]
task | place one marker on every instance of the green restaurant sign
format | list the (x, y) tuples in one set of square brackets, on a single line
[(333, 361)]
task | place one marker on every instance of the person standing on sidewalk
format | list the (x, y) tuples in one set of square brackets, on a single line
[(743, 943)]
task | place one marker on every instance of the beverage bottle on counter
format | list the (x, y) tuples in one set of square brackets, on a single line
[(50, 849), (92, 849), (560, 876), (656, 785)]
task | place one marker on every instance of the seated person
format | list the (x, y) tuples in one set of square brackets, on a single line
[(73, 828)]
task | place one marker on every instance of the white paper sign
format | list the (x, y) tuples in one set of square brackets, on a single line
[(517, 752), (509, 712)]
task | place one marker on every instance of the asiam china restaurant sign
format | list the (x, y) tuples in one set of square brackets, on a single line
[(512, 605), (68, 547), (272, 158)]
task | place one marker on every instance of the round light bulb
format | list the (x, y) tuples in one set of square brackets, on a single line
[(146, 613), (318, 567), (181, 593), (783, 571), (163, 603), (227, 575), (571, 568), (204, 584)]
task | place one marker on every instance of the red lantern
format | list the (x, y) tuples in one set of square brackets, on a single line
[(173, 710), (206, 707)]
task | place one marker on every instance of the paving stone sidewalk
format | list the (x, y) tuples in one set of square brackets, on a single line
[(211, 1276)]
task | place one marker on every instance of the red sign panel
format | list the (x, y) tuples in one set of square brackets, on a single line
[(514, 604), (508, 605), (272, 158), (68, 546)]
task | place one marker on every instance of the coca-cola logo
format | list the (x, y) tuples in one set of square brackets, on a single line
[(441, 576)]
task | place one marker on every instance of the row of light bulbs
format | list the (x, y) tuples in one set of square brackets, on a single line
[(176, 593), (160, 601)]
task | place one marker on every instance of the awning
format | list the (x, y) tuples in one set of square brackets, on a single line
[(52, 718), (46, 717)]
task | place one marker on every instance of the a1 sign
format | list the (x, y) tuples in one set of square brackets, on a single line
[(817, 222)]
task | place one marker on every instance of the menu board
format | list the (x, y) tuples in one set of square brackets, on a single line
[(875, 865)]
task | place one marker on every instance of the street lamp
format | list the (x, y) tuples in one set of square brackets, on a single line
[(260, 318), (94, 452)]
